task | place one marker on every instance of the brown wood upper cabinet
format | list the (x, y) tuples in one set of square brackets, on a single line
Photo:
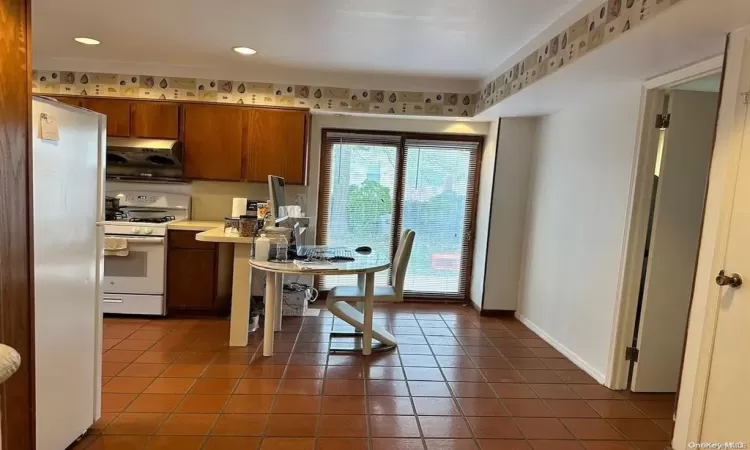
[(155, 120), (72, 101), (117, 112), (276, 145), (142, 119), (214, 138)]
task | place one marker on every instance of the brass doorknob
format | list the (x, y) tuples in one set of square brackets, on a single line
[(734, 280)]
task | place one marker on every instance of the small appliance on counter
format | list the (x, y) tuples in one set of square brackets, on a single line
[(135, 269)]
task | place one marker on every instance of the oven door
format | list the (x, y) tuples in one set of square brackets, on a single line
[(140, 272)]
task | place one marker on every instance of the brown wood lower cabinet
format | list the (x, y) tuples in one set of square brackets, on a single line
[(198, 276)]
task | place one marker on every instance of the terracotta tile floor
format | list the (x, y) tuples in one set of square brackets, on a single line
[(457, 381)]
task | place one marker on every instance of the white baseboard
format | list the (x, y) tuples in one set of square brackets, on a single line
[(570, 354)]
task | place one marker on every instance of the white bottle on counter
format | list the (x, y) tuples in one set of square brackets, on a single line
[(262, 248)]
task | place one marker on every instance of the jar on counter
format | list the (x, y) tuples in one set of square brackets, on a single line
[(247, 226)]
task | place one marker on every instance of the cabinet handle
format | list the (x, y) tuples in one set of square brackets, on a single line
[(112, 300)]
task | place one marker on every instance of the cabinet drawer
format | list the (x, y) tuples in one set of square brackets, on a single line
[(186, 239), (149, 305)]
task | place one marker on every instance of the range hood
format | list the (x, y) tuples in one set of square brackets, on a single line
[(144, 159)]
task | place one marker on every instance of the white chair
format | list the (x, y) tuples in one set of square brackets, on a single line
[(340, 296)]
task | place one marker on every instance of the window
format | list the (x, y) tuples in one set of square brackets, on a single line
[(373, 185)]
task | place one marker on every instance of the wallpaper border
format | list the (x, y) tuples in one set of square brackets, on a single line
[(336, 99), (600, 26)]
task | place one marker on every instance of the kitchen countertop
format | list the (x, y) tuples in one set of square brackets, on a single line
[(195, 225), (217, 235)]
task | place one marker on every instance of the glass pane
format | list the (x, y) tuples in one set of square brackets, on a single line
[(436, 191), (134, 265), (362, 186)]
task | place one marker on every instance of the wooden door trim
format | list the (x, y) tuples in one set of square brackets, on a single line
[(17, 403)]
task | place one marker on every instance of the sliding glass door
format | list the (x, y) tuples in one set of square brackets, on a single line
[(374, 185)]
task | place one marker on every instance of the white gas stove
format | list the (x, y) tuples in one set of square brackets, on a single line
[(135, 283)]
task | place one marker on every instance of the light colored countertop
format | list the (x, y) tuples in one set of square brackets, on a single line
[(195, 225), (218, 235)]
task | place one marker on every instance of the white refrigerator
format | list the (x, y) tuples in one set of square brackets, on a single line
[(68, 162)]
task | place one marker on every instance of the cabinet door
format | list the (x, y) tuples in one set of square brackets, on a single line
[(117, 112), (72, 101), (277, 145), (214, 139), (155, 120), (191, 279)]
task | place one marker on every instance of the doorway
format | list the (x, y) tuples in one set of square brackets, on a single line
[(686, 127)]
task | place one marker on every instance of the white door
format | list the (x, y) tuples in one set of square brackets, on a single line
[(726, 417), (65, 183), (675, 237)]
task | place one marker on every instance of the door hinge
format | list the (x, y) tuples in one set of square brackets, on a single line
[(662, 121), (631, 354)]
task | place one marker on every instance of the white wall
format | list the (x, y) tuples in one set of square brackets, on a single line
[(484, 208), (576, 225), (516, 143)]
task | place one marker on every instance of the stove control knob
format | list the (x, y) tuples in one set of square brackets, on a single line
[(136, 230), (148, 230)]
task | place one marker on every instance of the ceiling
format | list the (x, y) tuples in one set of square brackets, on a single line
[(446, 39)]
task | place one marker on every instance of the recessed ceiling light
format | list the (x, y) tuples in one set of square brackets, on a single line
[(247, 51), (87, 41)]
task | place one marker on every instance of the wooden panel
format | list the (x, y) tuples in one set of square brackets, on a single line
[(16, 307), (72, 101), (191, 279), (277, 145), (155, 120), (214, 138), (117, 112), (186, 239)]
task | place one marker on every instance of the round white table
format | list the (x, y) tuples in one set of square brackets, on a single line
[(364, 266)]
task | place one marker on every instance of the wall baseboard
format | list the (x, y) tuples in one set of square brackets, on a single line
[(497, 313), (570, 354)]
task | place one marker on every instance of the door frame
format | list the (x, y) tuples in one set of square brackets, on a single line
[(479, 139), (652, 101), (17, 403)]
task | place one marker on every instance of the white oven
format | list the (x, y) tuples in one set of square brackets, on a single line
[(141, 271), (135, 283), (135, 280)]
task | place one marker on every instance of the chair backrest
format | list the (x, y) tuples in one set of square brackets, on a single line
[(401, 261)]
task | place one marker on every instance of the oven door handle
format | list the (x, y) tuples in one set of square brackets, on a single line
[(145, 240)]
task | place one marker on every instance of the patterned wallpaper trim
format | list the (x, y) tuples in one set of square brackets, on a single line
[(599, 27), (602, 25), (339, 99)]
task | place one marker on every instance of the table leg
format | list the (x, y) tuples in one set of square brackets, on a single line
[(369, 307), (270, 310), (240, 317), (360, 283), (279, 300)]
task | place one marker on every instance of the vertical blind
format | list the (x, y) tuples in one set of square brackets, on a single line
[(373, 185), (438, 190)]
